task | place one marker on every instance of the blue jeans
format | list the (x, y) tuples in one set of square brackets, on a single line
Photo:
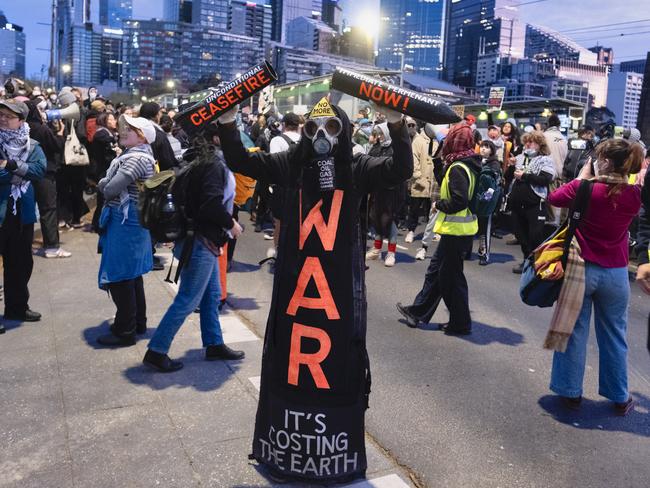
[(199, 286), (608, 291)]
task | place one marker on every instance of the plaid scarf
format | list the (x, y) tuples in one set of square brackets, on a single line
[(16, 145), (569, 303)]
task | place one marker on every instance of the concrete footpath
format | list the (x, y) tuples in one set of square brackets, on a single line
[(75, 415)]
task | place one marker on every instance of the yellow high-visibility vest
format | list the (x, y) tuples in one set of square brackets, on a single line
[(463, 223)]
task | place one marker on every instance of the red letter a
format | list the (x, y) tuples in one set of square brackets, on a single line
[(312, 361), (327, 233), (313, 269)]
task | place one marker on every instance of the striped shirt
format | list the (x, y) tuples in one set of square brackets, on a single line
[(135, 165)]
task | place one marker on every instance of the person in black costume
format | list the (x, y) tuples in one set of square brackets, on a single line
[(315, 363)]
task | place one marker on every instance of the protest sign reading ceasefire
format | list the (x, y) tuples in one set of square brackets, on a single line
[(219, 101)]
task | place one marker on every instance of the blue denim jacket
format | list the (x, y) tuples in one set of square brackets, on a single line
[(33, 169)]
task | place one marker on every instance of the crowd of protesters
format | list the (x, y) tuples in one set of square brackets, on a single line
[(44, 172)]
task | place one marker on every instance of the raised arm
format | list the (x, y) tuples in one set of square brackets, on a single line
[(373, 173), (273, 168)]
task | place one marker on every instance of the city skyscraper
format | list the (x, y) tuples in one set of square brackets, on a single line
[(284, 11), (113, 12), (475, 28), (177, 10), (624, 97), (12, 48), (411, 33), (210, 13), (250, 19)]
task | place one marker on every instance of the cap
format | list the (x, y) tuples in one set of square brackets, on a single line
[(470, 119), (291, 119), (495, 127), (144, 125), (17, 107)]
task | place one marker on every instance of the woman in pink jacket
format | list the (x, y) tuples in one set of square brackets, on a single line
[(603, 240)]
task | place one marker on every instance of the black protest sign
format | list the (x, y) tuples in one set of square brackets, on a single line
[(417, 105), (313, 390), (221, 100)]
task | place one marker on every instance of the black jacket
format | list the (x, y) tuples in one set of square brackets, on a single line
[(163, 152), (51, 143), (458, 184), (575, 160), (101, 151), (204, 202)]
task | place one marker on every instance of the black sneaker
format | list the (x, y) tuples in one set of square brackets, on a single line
[(411, 321), (518, 269), (161, 362), (212, 353), (2, 329), (27, 316), (482, 260), (110, 340), (453, 331)]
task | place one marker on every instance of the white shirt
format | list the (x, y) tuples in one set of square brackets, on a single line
[(278, 144)]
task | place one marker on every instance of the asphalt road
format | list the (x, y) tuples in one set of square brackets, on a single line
[(476, 411)]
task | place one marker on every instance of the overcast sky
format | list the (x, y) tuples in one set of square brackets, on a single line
[(561, 15)]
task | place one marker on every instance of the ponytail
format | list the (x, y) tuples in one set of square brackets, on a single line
[(626, 158)]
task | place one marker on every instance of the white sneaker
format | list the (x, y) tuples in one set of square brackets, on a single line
[(390, 259), (57, 253), (436, 237), (270, 252), (421, 255), (268, 237), (409, 237), (373, 253)]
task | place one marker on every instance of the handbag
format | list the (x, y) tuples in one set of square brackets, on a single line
[(75, 154), (539, 289)]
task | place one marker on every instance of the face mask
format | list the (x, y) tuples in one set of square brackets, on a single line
[(92, 94), (531, 153), (323, 133)]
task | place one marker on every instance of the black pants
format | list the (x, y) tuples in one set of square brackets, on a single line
[(263, 207), (45, 189), (485, 233), (98, 211), (129, 299), (445, 279), (417, 207), (528, 224), (16, 245), (71, 184)]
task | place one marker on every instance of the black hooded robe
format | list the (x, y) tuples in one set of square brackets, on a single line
[(315, 372)]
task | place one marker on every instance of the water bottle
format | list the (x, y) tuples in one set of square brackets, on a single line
[(169, 206)]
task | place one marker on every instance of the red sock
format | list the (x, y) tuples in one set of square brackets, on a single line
[(378, 244), (392, 247)]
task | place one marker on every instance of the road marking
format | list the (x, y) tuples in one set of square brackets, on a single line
[(389, 481), (234, 330), (256, 381)]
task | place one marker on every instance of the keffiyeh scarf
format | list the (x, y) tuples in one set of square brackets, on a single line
[(16, 145)]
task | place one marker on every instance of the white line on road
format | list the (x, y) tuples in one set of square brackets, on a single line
[(389, 481)]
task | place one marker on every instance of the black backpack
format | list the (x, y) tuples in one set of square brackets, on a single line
[(161, 204)]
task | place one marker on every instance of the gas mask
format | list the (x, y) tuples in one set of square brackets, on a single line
[(323, 133)]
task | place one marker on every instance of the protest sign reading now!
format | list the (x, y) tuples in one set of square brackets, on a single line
[(409, 102), (221, 100)]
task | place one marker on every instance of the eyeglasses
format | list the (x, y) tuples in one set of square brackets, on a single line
[(8, 116)]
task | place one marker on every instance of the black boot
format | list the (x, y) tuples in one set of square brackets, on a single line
[(212, 353), (26, 316), (411, 320), (161, 362), (2, 329), (111, 340)]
